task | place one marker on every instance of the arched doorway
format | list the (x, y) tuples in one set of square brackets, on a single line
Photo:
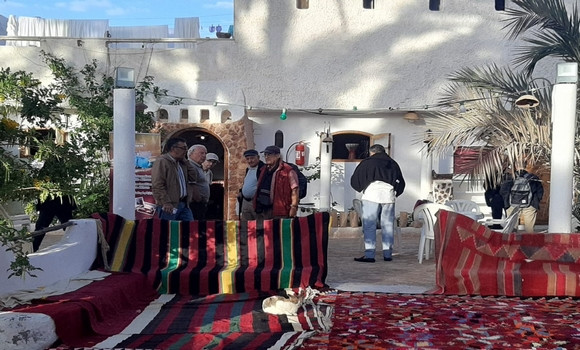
[(213, 144)]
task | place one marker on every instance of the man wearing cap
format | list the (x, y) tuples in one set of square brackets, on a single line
[(248, 190), (196, 155), (171, 176), (277, 189)]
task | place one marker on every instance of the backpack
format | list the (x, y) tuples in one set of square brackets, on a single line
[(521, 192), (302, 181)]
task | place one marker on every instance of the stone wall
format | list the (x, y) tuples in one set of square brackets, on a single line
[(235, 137)]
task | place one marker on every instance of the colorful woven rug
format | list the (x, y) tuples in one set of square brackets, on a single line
[(392, 321), (472, 259), (212, 257), (224, 321)]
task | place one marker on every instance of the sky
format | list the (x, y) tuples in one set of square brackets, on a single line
[(128, 13)]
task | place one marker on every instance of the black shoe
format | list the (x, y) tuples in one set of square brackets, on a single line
[(363, 259), (387, 259)]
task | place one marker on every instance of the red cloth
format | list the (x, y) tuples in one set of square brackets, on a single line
[(90, 314), (472, 259)]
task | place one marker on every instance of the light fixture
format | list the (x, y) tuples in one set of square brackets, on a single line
[(567, 73), (527, 101), (125, 78), (411, 117), (283, 116)]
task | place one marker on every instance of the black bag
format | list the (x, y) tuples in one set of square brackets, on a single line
[(521, 192), (302, 181)]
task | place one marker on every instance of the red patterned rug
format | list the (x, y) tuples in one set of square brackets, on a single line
[(392, 321)]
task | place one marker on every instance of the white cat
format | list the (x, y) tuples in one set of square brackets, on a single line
[(279, 305)]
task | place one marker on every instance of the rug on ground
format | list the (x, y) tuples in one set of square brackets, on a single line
[(393, 321), (223, 321), (212, 257)]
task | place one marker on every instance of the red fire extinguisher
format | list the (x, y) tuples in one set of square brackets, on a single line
[(300, 156)]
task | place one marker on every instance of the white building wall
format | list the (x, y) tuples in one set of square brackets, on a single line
[(334, 55)]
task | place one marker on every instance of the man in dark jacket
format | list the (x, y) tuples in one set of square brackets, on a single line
[(380, 180), (529, 211)]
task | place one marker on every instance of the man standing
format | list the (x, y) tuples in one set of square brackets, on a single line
[(277, 188), (171, 174), (196, 155), (524, 192), (380, 180), (248, 190)]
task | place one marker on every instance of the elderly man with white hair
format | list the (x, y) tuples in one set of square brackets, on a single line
[(196, 155)]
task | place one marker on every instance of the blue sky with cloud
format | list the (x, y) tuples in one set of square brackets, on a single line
[(127, 13)]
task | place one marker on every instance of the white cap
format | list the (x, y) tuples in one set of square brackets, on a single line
[(212, 156)]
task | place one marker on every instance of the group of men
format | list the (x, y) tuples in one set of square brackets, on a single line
[(271, 189), (181, 180)]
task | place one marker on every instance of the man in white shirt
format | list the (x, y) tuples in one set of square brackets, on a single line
[(380, 180), (248, 190), (196, 155)]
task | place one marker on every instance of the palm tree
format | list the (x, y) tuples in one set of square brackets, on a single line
[(478, 106)]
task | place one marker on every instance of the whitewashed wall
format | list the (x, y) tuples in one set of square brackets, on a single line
[(333, 55)]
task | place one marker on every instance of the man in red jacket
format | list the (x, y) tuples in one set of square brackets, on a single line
[(277, 192)]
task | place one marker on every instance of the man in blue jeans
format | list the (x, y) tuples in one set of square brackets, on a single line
[(380, 180)]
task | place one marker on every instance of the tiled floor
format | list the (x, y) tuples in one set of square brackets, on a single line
[(402, 274)]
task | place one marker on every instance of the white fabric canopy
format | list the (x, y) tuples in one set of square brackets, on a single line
[(138, 32), (186, 28), (42, 27)]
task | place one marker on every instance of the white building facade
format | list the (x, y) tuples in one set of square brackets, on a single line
[(335, 66)]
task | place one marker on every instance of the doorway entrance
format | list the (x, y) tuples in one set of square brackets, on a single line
[(193, 136)]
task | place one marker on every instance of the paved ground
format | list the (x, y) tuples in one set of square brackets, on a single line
[(403, 274)]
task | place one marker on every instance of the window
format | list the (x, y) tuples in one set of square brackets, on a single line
[(226, 115), (41, 135), (434, 5), (369, 4), (500, 5), (302, 4), (203, 115), (163, 115), (350, 146), (184, 115)]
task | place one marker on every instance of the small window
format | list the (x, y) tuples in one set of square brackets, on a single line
[(434, 5), (350, 146), (184, 114), (302, 4), (500, 5), (204, 115), (163, 115), (226, 115), (369, 4)]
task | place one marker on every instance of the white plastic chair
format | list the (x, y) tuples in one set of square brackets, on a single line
[(509, 223), (466, 207), (426, 212)]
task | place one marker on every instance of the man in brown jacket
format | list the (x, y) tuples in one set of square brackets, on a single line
[(172, 174)]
